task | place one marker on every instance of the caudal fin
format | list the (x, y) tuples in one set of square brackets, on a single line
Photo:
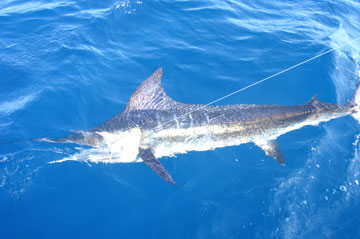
[(355, 104)]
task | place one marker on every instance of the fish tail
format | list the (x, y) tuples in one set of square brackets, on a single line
[(354, 104)]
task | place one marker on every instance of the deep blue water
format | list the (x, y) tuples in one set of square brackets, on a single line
[(71, 65)]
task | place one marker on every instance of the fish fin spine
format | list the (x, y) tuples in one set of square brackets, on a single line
[(149, 159), (271, 148)]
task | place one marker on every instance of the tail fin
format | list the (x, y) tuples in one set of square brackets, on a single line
[(355, 104)]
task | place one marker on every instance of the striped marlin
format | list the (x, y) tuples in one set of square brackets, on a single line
[(153, 126)]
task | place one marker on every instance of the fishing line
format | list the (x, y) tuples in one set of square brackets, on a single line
[(221, 98), (260, 81)]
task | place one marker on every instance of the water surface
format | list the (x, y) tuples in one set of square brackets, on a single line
[(70, 65)]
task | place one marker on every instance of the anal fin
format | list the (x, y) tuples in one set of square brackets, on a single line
[(150, 160), (271, 148)]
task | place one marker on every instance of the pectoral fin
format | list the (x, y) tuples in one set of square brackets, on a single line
[(150, 160), (271, 148)]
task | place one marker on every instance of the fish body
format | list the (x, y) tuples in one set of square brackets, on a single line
[(153, 126)]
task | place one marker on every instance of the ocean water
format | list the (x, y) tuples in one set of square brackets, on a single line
[(70, 65)]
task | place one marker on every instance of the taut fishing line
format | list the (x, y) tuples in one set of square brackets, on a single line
[(260, 81), (232, 93)]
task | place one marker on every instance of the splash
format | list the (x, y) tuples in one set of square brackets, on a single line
[(347, 70), (127, 6)]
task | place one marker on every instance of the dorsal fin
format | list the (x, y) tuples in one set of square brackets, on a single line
[(151, 95)]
